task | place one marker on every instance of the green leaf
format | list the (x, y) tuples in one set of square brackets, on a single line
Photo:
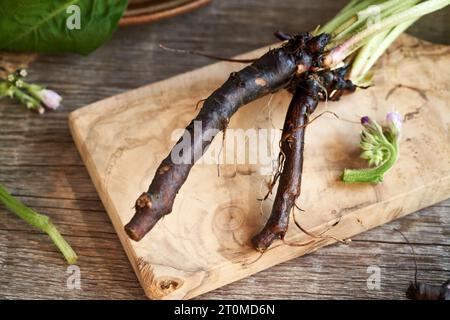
[(41, 25)]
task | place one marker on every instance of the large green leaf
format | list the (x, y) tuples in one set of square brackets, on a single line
[(41, 25)]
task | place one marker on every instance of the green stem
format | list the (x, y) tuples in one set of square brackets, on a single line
[(364, 55), (369, 54), (27, 100), (375, 174), (4, 89), (33, 90), (345, 14), (39, 221), (385, 9), (343, 50), (381, 47)]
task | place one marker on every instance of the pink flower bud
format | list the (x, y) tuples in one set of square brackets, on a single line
[(394, 120), (50, 98)]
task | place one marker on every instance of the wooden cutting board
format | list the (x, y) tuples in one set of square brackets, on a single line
[(204, 243)]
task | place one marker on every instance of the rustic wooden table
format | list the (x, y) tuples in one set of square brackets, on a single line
[(41, 166)]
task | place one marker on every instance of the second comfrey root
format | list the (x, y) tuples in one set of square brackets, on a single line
[(307, 91)]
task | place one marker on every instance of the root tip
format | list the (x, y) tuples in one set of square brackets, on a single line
[(262, 241), (132, 233)]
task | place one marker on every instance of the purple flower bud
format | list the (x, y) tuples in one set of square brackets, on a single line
[(50, 98), (365, 120), (394, 120)]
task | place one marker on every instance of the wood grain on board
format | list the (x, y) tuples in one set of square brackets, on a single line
[(204, 242)]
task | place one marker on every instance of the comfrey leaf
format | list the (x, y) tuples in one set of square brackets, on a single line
[(45, 26), (371, 142), (366, 145), (367, 155)]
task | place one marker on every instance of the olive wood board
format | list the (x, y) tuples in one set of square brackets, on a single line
[(205, 242)]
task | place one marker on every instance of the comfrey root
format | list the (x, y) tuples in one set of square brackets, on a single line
[(275, 70), (308, 90), (307, 65)]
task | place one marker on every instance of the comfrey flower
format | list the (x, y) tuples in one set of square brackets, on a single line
[(393, 125), (365, 120), (50, 98), (33, 96), (380, 147), (22, 72)]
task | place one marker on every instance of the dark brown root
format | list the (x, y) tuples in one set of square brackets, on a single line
[(321, 234), (308, 91), (303, 103), (206, 55), (281, 158), (198, 103), (273, 71), (282, 36), (298, 244), (220, 151)]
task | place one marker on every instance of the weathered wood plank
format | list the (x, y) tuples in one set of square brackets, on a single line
[(56, 182), (329, 273)]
